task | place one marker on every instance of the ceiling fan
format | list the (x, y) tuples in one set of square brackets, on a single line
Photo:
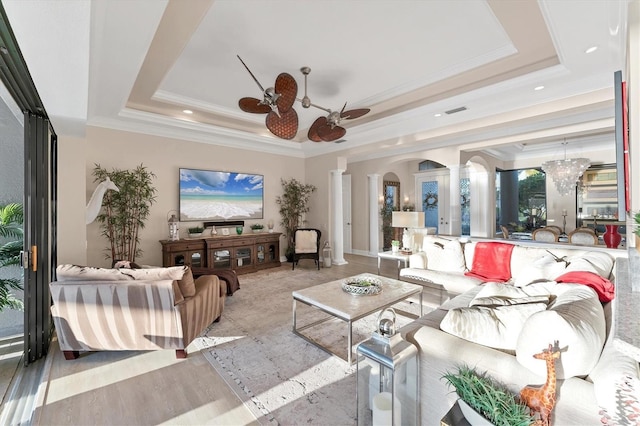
[(327, 128), (277, 102)]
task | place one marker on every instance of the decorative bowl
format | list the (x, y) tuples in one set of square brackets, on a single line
[(361, 286)]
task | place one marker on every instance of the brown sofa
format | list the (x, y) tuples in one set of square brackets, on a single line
[(97, 309)]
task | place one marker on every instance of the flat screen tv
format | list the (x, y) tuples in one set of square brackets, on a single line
[(220, 196)]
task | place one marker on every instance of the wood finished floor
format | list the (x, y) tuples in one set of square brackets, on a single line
[(145, 388)]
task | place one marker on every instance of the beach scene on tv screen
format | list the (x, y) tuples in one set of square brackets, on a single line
[(211, 195)]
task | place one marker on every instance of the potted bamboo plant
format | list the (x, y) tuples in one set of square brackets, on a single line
[(294, 203), (483, 396), (124, 213)]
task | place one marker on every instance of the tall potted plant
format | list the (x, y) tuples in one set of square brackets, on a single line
[(125, 212), (11, 218), (294, 203)]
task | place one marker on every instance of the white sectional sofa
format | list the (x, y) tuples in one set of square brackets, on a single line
[(497, 327)]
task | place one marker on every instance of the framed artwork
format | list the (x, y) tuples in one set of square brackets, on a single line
[(225, 231)]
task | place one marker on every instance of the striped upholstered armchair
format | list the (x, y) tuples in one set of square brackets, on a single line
[(97, 309)]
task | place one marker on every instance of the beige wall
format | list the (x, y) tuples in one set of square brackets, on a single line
[(162, 156), (72, 199)]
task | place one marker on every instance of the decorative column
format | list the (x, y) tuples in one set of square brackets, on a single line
[(374, 225), (483, 198), (455, 217), (336, 229)]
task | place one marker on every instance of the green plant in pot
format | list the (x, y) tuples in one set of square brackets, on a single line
[(257, 227), (294, 203), (386, 214), (11, 219), (125, 212), (489, 398), (195, 231)]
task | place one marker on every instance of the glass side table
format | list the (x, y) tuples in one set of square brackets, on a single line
[(399, 257)]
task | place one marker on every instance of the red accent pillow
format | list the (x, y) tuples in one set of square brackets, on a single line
[(491, 262), (602, 286)]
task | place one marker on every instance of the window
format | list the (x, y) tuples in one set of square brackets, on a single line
[(521, 199)]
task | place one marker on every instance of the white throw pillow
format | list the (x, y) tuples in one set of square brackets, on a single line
[(576, 320), (505, 290), (88, 273), (546, 268), (444, 255), (597, 262), (154, 274), (495, 327), (306, 241)]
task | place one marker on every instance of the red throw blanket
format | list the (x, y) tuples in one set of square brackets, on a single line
[(605, 288), (491, 262)]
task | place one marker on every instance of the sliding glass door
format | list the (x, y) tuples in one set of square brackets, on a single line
[(39, 256), (39, 200)]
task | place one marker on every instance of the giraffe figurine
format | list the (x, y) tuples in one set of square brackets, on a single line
[(542, 399)]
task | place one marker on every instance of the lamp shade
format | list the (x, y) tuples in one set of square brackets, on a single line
[(407, 219)]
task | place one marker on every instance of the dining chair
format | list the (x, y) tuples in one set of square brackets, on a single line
[(583, 237)]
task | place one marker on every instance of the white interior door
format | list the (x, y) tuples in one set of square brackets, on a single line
[(346, 213)]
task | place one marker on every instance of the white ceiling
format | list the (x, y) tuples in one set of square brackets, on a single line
[(137, 64)]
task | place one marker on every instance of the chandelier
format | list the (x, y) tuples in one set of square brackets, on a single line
[(565, 173)]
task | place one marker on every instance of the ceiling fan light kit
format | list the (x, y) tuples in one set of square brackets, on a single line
[(282, 119)]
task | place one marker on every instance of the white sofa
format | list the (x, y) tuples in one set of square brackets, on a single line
[(502, 342)]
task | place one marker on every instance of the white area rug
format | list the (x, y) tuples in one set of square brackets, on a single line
[(281, 377)]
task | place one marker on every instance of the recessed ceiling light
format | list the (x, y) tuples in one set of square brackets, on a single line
[(437, 114), (187, 111), (538, 88), (591, 49)]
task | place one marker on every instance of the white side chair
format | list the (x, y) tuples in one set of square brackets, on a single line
[(547, 235), (583, 237), (306, 245)]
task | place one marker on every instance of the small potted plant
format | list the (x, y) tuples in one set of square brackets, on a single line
[(195, 231), (483, 396), (395, 246), (257, 228)]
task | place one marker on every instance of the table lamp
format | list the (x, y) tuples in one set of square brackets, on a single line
[(407, 220)]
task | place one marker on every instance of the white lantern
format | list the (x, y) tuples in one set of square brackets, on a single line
[(388, 386), (174, 227)]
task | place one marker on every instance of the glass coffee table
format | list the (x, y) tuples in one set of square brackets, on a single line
[(331, 299)]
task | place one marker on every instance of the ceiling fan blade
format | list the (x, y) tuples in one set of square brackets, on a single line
[(329, 134), (287, 88), (253, 105), (285, 126), (354, 113), (313, 130)]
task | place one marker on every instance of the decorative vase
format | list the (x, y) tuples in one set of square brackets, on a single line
[(611, 236), (239, 230), (472, 416)]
